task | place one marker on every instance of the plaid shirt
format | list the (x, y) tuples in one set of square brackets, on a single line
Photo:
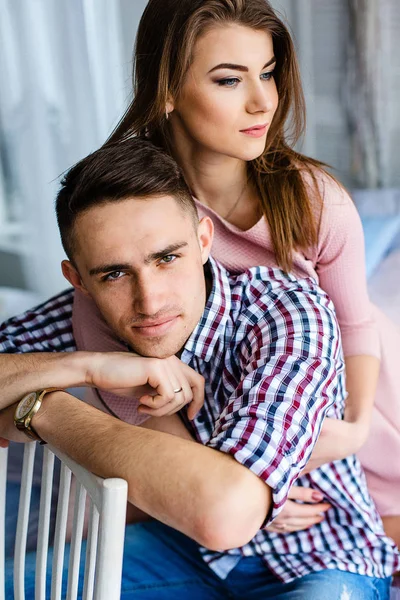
[(269, 348)]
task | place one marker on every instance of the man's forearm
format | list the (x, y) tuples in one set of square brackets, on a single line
[(204, 493), (24, 373)]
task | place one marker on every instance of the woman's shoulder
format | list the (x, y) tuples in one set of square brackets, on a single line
[(336, 215), (324, 189)]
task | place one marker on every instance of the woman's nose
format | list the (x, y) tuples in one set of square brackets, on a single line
[(260, 99)]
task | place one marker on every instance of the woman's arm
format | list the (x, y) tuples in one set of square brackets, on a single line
[(340, 264), (339, 261), (361, 380)]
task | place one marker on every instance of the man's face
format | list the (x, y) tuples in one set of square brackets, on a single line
[(141, 261)]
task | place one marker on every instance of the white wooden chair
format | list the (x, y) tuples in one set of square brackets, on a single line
[(104, 548)]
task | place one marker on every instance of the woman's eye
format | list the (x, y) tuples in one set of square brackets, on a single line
[(267, 76), (113, 276), (228, 82), (168, 259)]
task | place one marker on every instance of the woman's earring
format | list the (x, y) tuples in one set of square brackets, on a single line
[(166, 114)]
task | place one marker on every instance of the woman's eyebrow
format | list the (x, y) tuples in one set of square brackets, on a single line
[(240, 67)]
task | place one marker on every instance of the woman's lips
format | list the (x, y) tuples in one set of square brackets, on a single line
[(156, 328), (256, 131)]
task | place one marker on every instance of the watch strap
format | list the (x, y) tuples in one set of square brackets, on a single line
[(25, 425), (29, 431)]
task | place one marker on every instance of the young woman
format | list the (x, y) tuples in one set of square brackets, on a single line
[(217, 85)]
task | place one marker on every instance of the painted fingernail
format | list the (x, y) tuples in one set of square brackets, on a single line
[(317, 496)]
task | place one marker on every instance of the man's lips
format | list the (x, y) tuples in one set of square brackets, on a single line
[(154, 328), (256, 130)]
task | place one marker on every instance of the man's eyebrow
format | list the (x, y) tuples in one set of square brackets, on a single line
[(240, 67), (164, 252), (109, 268)]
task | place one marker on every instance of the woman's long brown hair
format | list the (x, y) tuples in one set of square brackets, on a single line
[(164, 46)]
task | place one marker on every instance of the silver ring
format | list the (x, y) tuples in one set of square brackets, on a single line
[(177, 391)]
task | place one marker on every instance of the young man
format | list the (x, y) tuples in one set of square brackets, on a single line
[(268, 347)]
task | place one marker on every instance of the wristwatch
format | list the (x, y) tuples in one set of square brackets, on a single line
[(27, 409)]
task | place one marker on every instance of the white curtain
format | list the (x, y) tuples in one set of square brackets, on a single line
[(63, 88), (368, 90)]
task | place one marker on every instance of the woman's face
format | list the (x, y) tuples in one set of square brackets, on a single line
[(229, 96)]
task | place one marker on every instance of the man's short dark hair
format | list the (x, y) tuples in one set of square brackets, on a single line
[(127, 169)]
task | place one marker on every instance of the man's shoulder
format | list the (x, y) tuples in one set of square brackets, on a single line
[(57, 307), (268, 304), (262, 287), (48, 322)]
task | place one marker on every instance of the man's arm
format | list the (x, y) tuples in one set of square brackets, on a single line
[(24, 373), (37, 347), (199, 491), (293, 372), (38, 350)]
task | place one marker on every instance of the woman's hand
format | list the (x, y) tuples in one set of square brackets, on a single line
[(296, 516)]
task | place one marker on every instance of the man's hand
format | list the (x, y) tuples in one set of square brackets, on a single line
[(175, 383), (295, 516)]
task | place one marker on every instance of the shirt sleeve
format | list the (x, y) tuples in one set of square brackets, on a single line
[(340, 265), (293, 371), (45, 328)]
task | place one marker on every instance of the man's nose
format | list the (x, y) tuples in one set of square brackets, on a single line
[(149, 297)]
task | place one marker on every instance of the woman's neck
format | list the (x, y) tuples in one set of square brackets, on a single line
[(213, 180), (219, 182)]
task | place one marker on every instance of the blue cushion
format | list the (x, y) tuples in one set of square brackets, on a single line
[(380, 234)]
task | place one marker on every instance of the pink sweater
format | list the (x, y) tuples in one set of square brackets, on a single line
[(337, 262)]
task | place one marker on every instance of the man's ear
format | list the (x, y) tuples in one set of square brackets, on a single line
[(205, 235), (71, 274)]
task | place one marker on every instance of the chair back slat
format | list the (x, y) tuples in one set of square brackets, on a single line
[(3, 482), (60, 532), (23, 520), (44, 524), (76, 542), (112, 530), (104, 549), (91, 552)]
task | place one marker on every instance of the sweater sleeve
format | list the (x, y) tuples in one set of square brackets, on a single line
[(340, 265), (91, 332)]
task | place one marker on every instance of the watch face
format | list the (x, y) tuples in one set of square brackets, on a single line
[(25, 405)]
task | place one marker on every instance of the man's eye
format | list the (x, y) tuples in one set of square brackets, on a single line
[(168, 259), (113, 276)]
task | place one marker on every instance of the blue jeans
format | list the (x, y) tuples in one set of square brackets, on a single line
[(162, 564)]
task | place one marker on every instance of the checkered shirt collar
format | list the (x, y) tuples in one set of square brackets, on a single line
[(215, 316)]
